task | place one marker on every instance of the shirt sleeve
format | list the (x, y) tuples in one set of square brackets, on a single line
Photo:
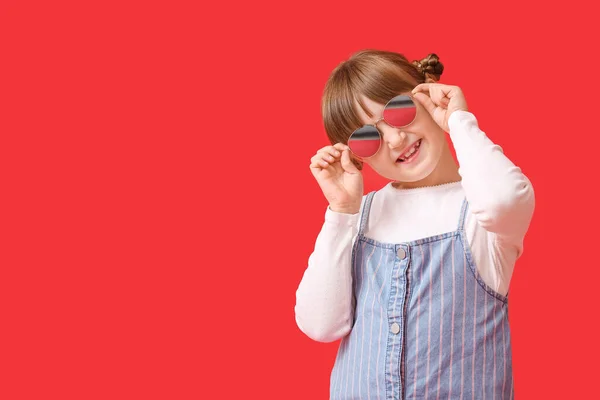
[(501, 198), (324, 299)]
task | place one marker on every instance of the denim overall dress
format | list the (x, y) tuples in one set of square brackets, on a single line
[(425, 324)]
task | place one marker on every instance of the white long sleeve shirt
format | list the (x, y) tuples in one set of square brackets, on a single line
[(501, 203)]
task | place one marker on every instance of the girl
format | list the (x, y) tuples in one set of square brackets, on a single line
[(414, 277)]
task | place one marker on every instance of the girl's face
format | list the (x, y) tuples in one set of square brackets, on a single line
[(407, 154)]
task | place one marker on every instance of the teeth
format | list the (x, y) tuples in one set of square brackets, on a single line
[(410, 152)]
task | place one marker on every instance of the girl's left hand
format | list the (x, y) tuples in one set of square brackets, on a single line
[(440, 101)]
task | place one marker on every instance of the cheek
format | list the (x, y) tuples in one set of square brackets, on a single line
[(436, 139), (379, 162)]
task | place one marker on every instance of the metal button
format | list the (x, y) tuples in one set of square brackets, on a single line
[(395, 328), (401, 253)]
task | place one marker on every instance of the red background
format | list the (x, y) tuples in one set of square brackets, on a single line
[(159, 210)]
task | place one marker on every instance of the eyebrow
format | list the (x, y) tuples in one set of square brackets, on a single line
[(371, 120), (378, 120)]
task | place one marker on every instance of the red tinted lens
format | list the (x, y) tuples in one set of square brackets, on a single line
[(400, 111), (365, 141)]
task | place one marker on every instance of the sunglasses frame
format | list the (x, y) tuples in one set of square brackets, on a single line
[(383, 119)]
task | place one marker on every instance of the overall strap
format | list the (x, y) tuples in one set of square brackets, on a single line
[(364, 218), (463, 214)]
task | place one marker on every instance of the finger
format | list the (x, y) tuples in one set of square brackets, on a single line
[(330, 155), (426, 102), (438, 95), (331, 150), (341, 146), (432, 85), (325, 159), (320, 164), (317, 161), (326, 156), (347, 163), (448, 91), (422, 88)]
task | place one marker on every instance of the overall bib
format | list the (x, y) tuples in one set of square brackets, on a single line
[(425, 324)]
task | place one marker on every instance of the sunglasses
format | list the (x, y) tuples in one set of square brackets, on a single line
[(398, 113)]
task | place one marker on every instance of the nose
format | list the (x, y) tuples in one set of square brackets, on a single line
[(393, 137)]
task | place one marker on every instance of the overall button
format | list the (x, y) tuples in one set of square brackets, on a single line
[(401, 253), (395, 328)]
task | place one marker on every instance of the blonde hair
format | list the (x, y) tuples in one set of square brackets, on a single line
[(376, 74)]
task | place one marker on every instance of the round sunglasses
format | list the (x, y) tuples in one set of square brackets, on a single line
[(398, 113)]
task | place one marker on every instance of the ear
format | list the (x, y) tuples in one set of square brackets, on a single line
[(429, 79)]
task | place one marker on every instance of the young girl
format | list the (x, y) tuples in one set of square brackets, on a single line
[(414, 277)]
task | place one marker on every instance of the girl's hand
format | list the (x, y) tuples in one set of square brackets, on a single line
[(339, 179), (440, 101)]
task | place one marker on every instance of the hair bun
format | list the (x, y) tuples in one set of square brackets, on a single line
[(430, 66)]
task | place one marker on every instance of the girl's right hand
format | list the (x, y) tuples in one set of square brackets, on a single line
[(339, 179)]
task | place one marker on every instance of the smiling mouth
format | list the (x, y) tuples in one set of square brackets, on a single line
[(409, 154)]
